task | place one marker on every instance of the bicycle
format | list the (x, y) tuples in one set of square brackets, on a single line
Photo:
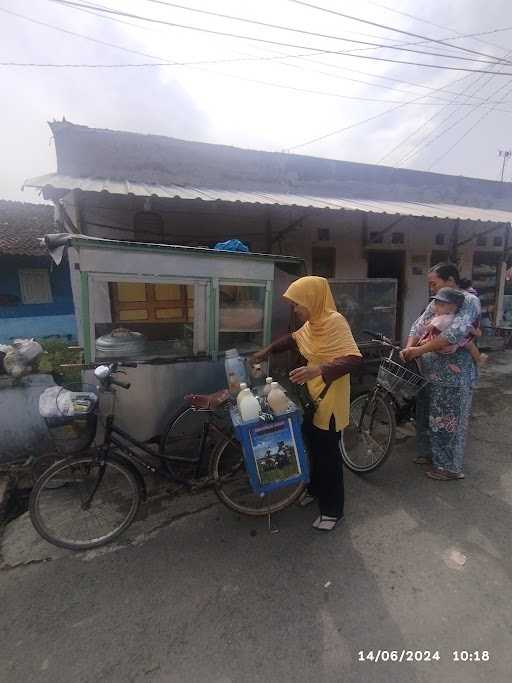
[(90, 498), (369, 438)]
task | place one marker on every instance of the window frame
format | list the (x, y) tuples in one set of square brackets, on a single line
[(23, 274)]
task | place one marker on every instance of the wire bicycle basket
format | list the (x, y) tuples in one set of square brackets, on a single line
[(400, 381), (71, 415)]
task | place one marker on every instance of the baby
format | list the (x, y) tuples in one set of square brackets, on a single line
[(445, 304)]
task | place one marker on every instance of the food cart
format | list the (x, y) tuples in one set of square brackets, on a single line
[(183, 308)]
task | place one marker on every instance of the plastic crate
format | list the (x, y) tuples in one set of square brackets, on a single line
[(273, 450)]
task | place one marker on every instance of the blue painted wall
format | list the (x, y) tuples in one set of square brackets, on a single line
[(35, 320)]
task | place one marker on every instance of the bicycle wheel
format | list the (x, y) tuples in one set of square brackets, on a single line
[(367, 440), (82, 502), (181, 441), (232, 485)]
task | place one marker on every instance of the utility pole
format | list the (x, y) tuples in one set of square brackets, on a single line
[(505, 154)]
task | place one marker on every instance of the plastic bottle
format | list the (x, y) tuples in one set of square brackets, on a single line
[(243, 392), (277, 399), (250, 407), (235, 370), (267, 387)]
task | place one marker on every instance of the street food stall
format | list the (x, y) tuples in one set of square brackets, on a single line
[(176, 311)]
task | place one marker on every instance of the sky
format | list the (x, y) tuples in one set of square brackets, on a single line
[(295, 96)]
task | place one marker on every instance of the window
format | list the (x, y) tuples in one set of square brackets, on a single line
[(498, 241), (397, 238), (170, 316), (151, 302), (324, 234), (35, 286), (241, 317), (440, 239), (323, 261), (481, 241), (376, 237)]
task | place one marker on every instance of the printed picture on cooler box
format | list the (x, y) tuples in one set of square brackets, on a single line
[(275, 451)]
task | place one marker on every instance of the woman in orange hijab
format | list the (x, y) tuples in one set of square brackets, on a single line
[(326, 342)]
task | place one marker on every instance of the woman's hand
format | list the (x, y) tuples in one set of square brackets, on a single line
[(410, 353), (304, 374)]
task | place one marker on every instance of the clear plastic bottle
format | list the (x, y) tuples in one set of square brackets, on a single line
[(235, 370), (277, 399), (250, 408)]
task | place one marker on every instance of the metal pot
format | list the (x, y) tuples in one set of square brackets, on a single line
[(120, 343)]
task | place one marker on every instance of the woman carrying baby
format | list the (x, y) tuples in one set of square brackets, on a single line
[(444, 405)]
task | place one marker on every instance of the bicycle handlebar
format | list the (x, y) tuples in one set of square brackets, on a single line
[(379, 337)]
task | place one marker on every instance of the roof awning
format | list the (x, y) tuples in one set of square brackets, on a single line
[(208, 194)]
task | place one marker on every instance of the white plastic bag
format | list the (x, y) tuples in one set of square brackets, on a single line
[(19, 356)]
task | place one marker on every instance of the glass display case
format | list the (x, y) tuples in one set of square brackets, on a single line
[(369, 304), (485, 280)]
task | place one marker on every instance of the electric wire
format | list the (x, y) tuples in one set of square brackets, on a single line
[(395, 30), (68, 3)]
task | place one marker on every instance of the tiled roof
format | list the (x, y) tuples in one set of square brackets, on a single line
[(21, 224)]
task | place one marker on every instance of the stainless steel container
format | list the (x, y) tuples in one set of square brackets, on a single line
[(120, 343)]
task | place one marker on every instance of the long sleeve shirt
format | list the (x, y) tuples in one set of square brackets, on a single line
[(335, 369)]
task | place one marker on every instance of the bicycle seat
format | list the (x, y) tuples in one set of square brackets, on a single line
[(209, 401)]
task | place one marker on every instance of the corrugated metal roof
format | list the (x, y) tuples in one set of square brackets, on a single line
[(379, 206)]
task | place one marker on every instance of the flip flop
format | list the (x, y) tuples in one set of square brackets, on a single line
[(444, 475), (325, 523)]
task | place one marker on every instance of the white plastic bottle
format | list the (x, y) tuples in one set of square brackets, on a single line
[(243, 392), (250, 408), (267, 387), (277, 399)]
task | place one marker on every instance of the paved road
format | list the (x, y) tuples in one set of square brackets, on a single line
[(194, 593)]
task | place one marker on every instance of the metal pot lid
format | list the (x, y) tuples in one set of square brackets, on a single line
[(119, 338)]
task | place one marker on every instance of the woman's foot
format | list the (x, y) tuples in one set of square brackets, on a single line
[(325, 523), (440, 474), (422, 460)]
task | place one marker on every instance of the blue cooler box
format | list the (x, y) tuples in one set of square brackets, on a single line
[(274, 451)]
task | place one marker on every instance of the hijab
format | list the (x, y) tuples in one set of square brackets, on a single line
[(326, 335)]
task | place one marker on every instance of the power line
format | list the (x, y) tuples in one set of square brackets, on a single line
[(462, 137), (75, 5), (428, 139), (474, 36), (301, 31), (421, 129), (358, 123), (296, 56), (395, 30), (163, 63)]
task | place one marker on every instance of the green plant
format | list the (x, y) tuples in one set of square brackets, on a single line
[(58, 353)]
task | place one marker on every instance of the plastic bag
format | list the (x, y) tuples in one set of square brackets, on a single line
[(231, 245), (19, 356), (59, 402)]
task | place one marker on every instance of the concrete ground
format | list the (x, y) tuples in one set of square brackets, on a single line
[(195, 593)]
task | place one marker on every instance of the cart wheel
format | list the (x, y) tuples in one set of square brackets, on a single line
[(366, 442), (233, 487)]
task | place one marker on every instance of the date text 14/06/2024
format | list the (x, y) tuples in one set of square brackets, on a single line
[(421, 656)]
